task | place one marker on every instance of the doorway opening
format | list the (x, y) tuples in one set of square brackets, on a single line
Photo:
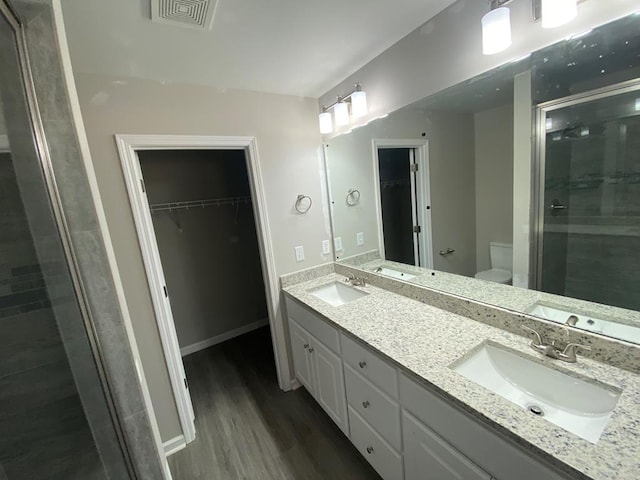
[(404, 220), (200, 214)]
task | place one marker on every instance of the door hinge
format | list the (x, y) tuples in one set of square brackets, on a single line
[(417, 229), (142, 186), (414, 167), (186, 384), (166, 294)]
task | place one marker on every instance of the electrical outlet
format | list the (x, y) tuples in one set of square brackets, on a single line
[(299, 253), (326, 247), (337, 244), (360, 238)]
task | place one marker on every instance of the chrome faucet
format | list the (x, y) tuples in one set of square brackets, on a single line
[(550, 350), (571, 321), (356, 281)]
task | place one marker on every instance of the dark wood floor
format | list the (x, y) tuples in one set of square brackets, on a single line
[(247, 428)]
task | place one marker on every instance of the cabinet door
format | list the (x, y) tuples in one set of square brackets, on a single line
[(329, 384), (300, 345), (426, 455)]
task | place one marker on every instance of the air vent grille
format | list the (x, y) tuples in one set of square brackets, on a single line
[(187, 13)]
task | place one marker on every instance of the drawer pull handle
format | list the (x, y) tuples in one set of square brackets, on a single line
[(306, 345), (369, 450), (311, 350), (362, 364), (366, 404)]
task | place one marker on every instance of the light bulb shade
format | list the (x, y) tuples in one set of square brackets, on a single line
[(496, 31), (326, 124), (341, 112), (558, 12), (358, 104)]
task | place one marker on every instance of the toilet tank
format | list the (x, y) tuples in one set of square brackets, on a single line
[(501, 256)]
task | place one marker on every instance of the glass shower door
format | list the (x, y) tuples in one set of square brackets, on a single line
[(589, 211), (55, 419)]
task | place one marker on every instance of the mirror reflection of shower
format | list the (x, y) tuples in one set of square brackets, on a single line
[(589, 220)]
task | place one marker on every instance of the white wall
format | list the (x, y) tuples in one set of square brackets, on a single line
[(522, 179), (494, 180), (453, 211), (289, 146), (448, 49)]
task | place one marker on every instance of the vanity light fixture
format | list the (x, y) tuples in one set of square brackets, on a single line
[(341, 113), (556, 13), (358, 101), (496, 25), (496, 28)]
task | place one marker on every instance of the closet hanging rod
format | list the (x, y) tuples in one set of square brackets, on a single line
[(171, 206)]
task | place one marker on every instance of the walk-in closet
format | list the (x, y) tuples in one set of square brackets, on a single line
[(200, 202)]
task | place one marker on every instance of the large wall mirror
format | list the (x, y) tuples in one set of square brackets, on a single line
[(518, 188)]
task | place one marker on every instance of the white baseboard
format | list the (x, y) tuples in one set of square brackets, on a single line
[(295, 384), (196, 347), (174, 445)]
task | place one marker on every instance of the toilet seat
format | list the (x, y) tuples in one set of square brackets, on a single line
[(495, 275)]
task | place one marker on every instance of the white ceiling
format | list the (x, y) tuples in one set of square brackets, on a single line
[(295, 47)]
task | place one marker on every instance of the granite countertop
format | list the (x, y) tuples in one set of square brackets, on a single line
[(425, 341), (505, 296)]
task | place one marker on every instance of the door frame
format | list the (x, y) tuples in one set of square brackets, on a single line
[(539, 207), (128, 145), (423, 192)]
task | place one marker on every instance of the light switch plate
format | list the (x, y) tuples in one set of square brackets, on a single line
[(326, 247), (337, 243), (360, 238), (299, 253)]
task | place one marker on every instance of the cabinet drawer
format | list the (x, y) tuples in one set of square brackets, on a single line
[(370, 366), (426, 455), (382, 457), (314, 324), (485, 448), (376, 408)]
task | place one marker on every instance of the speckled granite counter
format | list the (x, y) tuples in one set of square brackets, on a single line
[(425, 341), (504, 296)]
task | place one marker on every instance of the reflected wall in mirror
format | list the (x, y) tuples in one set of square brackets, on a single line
[(457, 194)]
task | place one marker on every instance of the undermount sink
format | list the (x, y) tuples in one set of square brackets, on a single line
[(579, 406), (393, 273), (586, 322), (336, 293)]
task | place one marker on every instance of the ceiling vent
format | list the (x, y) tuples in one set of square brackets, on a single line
[(196, 14)]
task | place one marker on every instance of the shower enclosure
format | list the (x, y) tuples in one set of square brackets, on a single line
[(589, 196), (57, 418)]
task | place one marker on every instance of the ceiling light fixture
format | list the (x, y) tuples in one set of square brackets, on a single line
[(496, 28), (358, 101), (556, 13)]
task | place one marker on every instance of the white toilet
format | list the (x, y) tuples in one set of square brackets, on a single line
[(501, 264)]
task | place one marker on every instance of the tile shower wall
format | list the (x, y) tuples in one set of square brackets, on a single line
[(38, 396)]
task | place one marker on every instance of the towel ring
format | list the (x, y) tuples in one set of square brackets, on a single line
[(302, 206), (353, 197)]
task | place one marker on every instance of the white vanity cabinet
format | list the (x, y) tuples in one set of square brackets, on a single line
[(404, 429), (461, 441), (317, 363)]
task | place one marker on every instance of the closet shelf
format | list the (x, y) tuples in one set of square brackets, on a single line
[(218, 202)]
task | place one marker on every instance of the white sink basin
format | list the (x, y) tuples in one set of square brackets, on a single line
[(390, 272), (578, 406), (336, 293), (587, 322)]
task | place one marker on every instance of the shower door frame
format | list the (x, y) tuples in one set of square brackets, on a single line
[(539, 207), (62, 226)]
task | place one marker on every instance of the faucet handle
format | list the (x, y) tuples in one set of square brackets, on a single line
[(535, 332), (571, 348)]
